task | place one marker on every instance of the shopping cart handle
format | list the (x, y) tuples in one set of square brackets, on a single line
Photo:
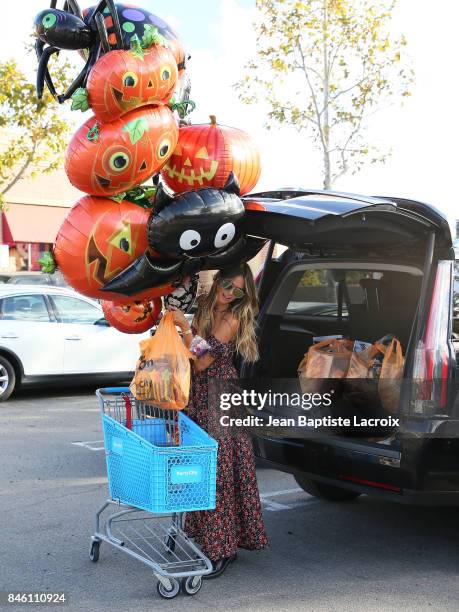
[(114, 390)]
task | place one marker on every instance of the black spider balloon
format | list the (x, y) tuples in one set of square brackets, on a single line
[(57, 29)]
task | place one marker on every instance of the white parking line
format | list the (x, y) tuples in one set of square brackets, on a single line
[(92, 445), (274, 506), (284, 492)]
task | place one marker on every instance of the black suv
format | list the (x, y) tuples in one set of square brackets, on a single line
[(362, 267)]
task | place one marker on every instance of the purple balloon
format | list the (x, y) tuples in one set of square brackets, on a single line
[(133, 15)]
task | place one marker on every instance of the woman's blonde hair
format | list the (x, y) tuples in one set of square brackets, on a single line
[(245, 310)]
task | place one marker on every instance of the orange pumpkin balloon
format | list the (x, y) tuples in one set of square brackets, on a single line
[(123, 80), (205, 156), (98, 239), (107, 159), (133, 318)]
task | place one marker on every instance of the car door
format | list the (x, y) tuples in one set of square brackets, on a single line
[(90, 346), (29, 330)]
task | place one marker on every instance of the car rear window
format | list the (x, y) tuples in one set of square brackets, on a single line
[(317, 293)]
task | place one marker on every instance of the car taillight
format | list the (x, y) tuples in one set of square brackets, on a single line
[(432, 356)]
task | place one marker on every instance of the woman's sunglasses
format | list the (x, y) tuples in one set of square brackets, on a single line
[(227, 285)]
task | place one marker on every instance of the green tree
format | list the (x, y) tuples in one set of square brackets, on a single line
[(37, 130), (324, 67)]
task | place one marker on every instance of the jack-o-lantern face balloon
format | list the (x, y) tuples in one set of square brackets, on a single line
[(133, 318), (124, 80), (99, 239), (205, 156), (110, 158)]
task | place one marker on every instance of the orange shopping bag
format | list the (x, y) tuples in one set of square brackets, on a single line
[(362, 376), (390, 379), (163, 374), (324, 364)]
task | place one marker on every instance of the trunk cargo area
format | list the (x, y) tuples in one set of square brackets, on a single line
[(360, 300)]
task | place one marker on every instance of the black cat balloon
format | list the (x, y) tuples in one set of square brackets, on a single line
[(189, 230)]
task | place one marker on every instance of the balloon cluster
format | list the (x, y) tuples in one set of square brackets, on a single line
[(125, 242)]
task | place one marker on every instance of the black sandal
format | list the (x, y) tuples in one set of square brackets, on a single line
[(219, 567)]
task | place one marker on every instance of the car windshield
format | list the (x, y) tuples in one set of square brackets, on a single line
[(28, 279), (318, 291)]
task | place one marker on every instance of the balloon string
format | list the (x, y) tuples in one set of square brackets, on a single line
[(93, 133)]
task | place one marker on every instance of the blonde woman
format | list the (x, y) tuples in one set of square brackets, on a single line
[(225, 317)]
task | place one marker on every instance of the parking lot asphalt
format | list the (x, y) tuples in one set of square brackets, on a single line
[(365, 555)]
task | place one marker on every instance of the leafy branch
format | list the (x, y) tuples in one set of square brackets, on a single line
[(344, 58)]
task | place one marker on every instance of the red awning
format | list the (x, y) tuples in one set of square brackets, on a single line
[(29, 223)]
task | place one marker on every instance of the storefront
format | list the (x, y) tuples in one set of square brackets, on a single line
[(28, 231), (35, 208)]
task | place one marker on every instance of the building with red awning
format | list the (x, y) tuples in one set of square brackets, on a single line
[(34, 211)]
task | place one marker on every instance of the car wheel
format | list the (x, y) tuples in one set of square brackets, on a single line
[(325, 491), (7, 378)]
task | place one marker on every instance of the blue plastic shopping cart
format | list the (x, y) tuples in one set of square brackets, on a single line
[(159, 462)]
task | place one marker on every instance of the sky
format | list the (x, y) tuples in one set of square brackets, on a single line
[(423, 134)]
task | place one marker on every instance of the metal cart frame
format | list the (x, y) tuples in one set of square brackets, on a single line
[(175, 560)]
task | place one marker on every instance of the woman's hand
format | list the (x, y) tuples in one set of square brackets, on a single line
[(180, 319)]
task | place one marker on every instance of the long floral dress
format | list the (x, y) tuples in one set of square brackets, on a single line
[(237, 520)]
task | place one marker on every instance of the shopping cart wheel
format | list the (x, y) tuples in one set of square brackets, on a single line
[(191, 585), (169, 543), (94, 552), (173, 592)]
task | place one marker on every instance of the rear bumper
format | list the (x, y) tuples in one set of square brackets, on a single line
[(399, 475)]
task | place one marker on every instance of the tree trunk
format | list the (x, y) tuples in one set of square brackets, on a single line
[(326, 93), (21, 171)]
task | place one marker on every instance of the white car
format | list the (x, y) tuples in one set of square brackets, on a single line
[(48, 333)]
